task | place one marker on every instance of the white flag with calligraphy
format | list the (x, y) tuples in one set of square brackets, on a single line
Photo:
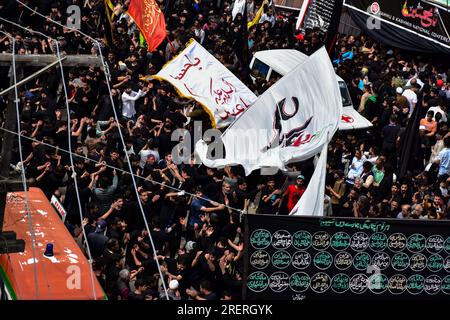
[(290, 122), (198, 75)]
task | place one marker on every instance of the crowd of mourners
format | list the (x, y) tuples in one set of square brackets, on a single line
[(194, 212)]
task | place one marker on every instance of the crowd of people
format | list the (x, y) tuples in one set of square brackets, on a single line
[(404, 95), (194, 212)]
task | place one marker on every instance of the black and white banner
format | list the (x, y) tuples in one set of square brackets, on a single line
[(323, 14), (290, 122), (408, 24)]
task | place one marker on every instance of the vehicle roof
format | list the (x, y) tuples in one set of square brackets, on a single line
[(283, 61), (52, 274)]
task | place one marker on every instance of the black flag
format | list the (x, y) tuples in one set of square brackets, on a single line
[(324, 15), (410, 159), (107, 16), (241, 44), (332, 32)]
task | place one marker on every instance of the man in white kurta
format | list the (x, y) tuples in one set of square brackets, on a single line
[(129, 98)]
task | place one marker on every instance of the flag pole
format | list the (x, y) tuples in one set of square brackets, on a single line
[(171, 45)]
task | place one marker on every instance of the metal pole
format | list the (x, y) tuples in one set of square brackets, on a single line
[(31, 77), (7, 145), (42, 60)]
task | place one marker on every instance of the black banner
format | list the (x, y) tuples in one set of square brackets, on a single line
[(297, 258), (319, 14), (408, 24), (323, 14)]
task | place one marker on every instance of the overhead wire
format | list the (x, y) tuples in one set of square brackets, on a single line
[(112, 103), (23, 175), (120, 134), (123, 171), (74, 176), (109, 166)]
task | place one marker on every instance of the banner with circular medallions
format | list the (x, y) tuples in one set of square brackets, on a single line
[(289, 258)]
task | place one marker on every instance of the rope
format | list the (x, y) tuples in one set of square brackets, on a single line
[(69, 138), (23, 176), (70, 154), (121, 138), (121, 170), (112, 101), (95, 161)]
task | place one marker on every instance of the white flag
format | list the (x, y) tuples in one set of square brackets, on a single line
[(238, 7), (312, 201), (198, 75), (301, 14), (290, 122)]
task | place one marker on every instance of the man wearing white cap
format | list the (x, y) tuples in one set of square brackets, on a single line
[(411, 95), (172, 291), (401, 101)]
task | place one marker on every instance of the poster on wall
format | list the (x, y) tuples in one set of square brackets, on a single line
[(298, 258), (408, 24), (322, 14), (319, 14)]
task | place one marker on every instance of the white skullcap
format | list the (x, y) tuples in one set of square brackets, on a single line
[(173, 285)]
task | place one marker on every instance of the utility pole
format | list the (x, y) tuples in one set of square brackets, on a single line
[(8, 240)]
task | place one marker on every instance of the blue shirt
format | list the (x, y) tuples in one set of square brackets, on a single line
[(361, 85), (196, 212), (444, 165)]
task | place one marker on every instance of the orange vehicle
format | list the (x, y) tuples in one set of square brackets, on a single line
[(63, 276)]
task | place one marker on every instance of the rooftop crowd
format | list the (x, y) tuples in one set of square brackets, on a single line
[(194, 211)]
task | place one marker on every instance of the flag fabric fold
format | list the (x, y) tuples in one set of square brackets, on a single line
[(257, 16), (312, 201), (290, 122), (150, 20), (198, 75)]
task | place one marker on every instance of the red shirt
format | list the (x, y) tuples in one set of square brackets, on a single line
[(294, 194)]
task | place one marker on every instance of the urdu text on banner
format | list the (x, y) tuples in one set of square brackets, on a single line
[(198, 75)]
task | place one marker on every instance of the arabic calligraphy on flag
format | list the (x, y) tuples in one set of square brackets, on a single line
[(149, 18), (198, 75), (292, 121)]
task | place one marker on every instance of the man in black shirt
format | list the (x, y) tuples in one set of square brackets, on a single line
[(159, 236), (139, 292), (390, 135), (206, 292), (230, 230), (355, 92), (97, 240)]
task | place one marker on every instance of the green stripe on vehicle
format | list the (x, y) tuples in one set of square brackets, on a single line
[(7, 283)]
